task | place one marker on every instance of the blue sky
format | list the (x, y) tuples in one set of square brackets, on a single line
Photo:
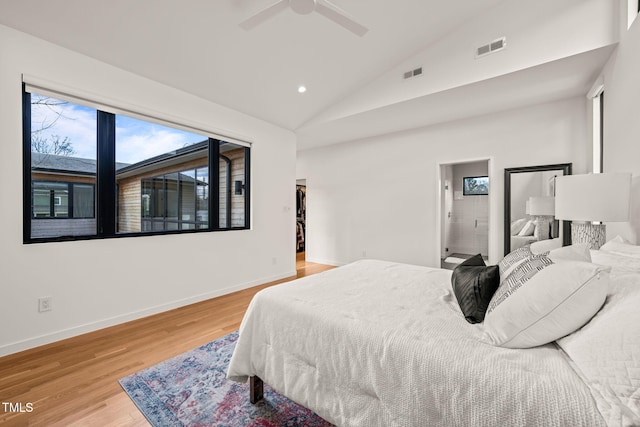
[(135, 139)]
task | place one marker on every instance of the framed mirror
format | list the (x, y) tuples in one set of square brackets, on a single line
[(529, 206)]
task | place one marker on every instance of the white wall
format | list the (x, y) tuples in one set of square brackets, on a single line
[(622, 122), (380, 195), (98, 283)]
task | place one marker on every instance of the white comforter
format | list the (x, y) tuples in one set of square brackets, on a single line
[(376, 343)]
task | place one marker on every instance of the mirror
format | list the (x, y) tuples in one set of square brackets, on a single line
[(528, 205)]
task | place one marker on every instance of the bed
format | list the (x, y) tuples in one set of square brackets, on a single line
[(523, 232), (378, 343)]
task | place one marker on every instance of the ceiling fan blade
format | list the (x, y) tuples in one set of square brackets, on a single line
[(264, 14), (340, 17)]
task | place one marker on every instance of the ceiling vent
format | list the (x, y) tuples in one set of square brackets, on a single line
[(412, 73), (492, 47)]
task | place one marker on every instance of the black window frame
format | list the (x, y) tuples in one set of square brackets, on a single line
[(106, 187), (465, 192)]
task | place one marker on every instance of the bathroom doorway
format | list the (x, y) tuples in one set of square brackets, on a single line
[(464, 212)]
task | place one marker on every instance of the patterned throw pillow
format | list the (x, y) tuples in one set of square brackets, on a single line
[(543, 300), (518, 277), (532, 262), (512, 260)]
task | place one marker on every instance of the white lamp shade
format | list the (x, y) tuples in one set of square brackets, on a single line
[(593, 197), (542, 206)]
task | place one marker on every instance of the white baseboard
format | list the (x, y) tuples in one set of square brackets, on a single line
[(49, 338)]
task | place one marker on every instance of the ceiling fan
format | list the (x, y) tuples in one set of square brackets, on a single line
[(305, 7)]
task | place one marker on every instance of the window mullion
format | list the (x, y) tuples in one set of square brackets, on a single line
[(214, 186), (247, 187), (106, 174), (179, 199), (70, 193), (52, 203), (165, 203)]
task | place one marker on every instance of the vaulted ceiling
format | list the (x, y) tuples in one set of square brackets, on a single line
[(197, 46)]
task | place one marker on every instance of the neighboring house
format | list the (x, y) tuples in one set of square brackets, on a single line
[(166, 192)]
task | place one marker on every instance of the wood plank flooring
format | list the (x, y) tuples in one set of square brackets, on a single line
[(74, 382)]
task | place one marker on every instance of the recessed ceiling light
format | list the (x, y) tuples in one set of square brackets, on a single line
[(302, 89)]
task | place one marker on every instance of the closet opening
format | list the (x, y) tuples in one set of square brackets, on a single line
[(301, 219)]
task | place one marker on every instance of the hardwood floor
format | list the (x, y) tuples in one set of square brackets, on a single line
[(75, 382)]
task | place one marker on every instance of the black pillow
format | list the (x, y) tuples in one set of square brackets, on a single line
[(474, 283)]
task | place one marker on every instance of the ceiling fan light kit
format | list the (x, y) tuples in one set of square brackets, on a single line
[(305, 7), (302, 7)]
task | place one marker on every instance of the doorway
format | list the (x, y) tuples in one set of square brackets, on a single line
[(301, 219), (464, 211)]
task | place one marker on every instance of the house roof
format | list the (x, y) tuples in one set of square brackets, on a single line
[(193, 151), (67, 165)]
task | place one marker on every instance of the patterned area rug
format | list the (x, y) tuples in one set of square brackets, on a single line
[(192, 390)]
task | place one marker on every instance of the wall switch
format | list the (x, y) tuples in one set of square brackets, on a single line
[(45, 304)]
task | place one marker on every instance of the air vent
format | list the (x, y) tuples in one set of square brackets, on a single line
[(492, 47), (412, 73)]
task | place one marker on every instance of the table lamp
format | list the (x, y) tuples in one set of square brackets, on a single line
[(542, 208), (602, 197)]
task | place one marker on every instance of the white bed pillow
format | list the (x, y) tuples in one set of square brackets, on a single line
[(620, 246), (619, 263), (517, 225), (545, 245), (606, 352), (543, 300), (577, 252), (528, 229)]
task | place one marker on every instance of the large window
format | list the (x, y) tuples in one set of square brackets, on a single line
[(89, 173)]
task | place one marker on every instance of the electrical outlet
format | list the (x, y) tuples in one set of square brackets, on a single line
[(274, 260), (45, 304)]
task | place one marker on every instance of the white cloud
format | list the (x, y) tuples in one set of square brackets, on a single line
[(136, 140), (139, 143)]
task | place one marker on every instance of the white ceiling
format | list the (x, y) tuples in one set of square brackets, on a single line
[(197, 46)]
